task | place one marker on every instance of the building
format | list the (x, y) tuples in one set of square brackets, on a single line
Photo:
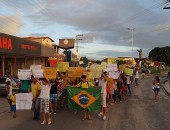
[(19, 53)]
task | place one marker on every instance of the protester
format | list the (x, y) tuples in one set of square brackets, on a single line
[(9, 93), (136, 74), (169, 76), (143, 73), (103, 96), (119, 87), (53, 96), (44, 102), (35, 89), (108, 87), (13, 103), (85, 84), (9, 78), (156, 87), (128, 82)]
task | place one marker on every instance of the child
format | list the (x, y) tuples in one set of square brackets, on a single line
[(13, 103)]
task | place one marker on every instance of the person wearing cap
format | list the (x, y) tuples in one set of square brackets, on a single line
[(85, 84), (35, 89)]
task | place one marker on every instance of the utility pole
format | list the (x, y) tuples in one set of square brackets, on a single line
[(132, 31), (77, 39)]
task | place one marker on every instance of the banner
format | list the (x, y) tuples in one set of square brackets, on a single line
[(50, 72), (24, 74), (114, 75), (111, 60), (75, 71), (38, 73), (23, 101), (62, 66), (128, 71), (80, 99)]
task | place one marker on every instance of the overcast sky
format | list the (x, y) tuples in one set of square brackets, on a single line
[(103, 23)]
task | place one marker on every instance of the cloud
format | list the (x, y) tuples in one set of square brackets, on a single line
[(101, 21), (10, 24)]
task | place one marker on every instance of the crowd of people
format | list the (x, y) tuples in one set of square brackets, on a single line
[(50, 94)]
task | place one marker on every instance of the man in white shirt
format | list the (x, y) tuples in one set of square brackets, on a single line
[(136, 77)]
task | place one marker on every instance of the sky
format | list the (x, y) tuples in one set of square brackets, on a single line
[(103, 23)]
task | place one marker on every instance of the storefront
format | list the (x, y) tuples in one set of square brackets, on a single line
[(17, 53)]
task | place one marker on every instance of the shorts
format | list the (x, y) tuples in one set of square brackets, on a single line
[(13, 108), (44, 105), (103, 99), (53, 98), (108, 90), (156, 89)]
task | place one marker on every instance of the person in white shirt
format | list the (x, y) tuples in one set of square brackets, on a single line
[(9, 79), (136, 77), (103, 95), (44, 100), (9, 93), (128, 82)]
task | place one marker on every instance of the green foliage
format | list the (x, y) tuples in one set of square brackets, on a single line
[(120, 62), (160, 54), (84, 59)]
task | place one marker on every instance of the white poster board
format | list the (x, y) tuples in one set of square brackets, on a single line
[(112, 67), (38, 73), (114, 75), (24, 74), (23, 101), (35, 67)]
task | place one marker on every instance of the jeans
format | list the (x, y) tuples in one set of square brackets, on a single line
[(36, 108)]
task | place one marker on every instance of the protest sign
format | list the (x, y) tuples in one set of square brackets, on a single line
[(38, 73), (111, 60), (128, 71), (35, 67), (122, 67), (114, 75), (24, 74), (112, 67), (96, 70), (50, 72), (23, 101), (75, 71), (104, 65), (62, 66)]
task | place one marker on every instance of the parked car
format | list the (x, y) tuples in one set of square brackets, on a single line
[(16, 84)]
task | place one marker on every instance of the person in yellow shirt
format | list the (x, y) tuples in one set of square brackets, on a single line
[(35, 89), (13, 103), (85, 84)]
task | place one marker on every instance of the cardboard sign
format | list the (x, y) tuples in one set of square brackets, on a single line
[(75, 71), (35, 67), (128, 71), (63, 66), (96, 70), (50, 72), (23, 101), (122, 67), (38, 73), (24, 74), (104, 65)]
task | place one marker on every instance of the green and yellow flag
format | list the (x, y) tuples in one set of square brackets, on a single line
[(81, 99)]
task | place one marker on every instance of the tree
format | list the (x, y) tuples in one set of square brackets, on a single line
[(160, 54), (84, 59)]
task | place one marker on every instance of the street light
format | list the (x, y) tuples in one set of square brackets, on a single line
[(132, 30), (77, 39)]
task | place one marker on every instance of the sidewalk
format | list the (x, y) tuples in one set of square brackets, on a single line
[(4, 106), (167, 87)]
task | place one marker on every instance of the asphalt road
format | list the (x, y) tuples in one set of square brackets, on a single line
[(136, 112)]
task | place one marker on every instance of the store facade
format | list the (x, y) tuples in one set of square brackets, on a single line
[(17, 53)]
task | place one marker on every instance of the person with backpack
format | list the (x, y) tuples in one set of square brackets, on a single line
[(85, 84)]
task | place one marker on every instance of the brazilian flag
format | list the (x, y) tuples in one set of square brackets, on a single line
[(88, 98)]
